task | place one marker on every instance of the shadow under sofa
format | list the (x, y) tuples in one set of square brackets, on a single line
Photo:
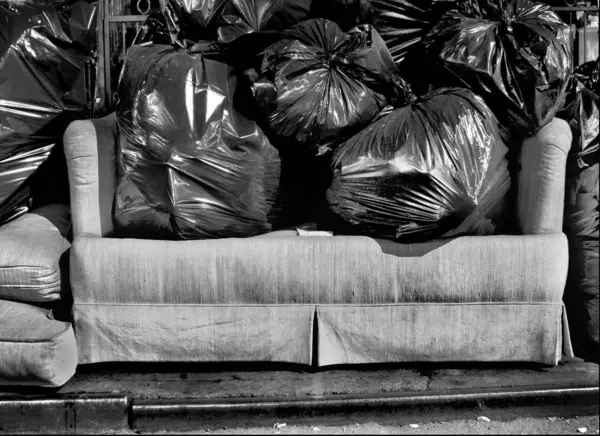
[(269, 298)]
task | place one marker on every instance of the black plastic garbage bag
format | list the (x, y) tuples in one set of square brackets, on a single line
[(436, 168), (189, 166), (319, 85), (191, 21), (154, 30), (401, 23), (582, 211), (43, 50), (241, 17), (516, 54)]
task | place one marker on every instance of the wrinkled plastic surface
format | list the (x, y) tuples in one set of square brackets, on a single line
[(190, 21), (582, 209), (402, 24), (242, 17), (435, 168), (189, 166), (516, 54), (43, 50), (319, 85), (154, 30)]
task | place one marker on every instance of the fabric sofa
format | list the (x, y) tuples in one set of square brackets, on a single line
[(322, 300), (37, 342)]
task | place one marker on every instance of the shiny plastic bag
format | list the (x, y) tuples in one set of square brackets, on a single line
[(43, 50), (242, 17), (582, 208), (190, 21), (246, 16), (189, 166), (582, 111), (436, 168), (401, 23), (318, 85), (516, 54)]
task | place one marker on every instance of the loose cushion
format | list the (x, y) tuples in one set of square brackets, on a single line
[(30, 250), (35, 349)]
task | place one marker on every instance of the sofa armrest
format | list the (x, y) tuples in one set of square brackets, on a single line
[(90, 154), (541, 189)]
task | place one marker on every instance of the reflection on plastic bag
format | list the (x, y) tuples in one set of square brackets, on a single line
[(435, 168), (43, 50), (319, 85), (246, 16), (582, 208), (516, 54), (400, 23), (582, 111), (190, 21), (154, 30), (241, 17), (189, 165)]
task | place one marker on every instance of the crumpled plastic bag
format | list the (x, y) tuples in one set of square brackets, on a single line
[(401, 23), (582, 208), (246, 16), (318, 85), (189, 166), (43, 50), (582, 112), (242, 17), (435, 168), (516, 54), (191, 21)]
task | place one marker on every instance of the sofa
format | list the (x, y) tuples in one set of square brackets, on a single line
[(296, 297), (37, 342)]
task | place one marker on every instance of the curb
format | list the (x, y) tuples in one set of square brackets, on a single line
[(88, 414), (70, 414)]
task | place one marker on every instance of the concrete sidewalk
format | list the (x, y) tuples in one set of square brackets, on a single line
[(154, 398)]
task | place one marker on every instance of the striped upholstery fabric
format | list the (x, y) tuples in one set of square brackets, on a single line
[(194, 333), (494, 298), (439, 332), (319, 270), (90, 154), (30, 253), (35, 349), (541, 197)]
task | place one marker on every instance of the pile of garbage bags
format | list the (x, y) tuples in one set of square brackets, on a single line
[(237, 117), (44, 46), (582, 210)]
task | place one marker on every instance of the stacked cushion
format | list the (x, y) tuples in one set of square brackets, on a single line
[(32, 247), (35, 348)]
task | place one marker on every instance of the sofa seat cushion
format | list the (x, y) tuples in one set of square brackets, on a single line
[(319, 270), (30, 251), (35, 349)]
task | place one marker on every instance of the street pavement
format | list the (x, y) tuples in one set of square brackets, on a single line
[(523, 426)]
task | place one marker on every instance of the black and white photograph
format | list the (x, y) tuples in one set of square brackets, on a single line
[(281, 217)]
